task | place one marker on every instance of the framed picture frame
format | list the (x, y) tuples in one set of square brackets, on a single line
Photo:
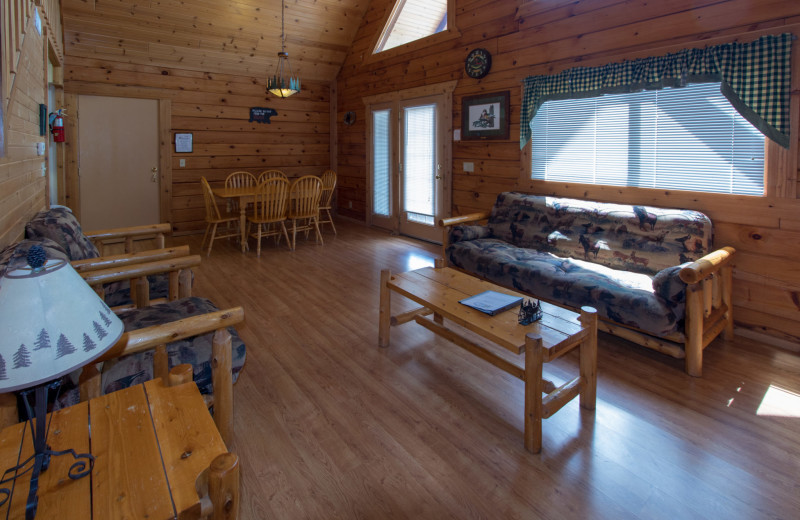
[(183, 143), (485, 116)]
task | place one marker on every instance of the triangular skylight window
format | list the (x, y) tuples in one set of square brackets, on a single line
[(412, 20)]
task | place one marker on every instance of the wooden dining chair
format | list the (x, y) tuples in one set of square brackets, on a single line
[(326, 200), (214, 217), (271, 174), (269, 211), (304, 196), (240, 179)]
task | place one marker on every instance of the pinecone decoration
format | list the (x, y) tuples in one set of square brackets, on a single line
[(36, 257)]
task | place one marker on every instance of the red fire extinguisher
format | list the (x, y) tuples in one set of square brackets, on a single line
[(57, 125)]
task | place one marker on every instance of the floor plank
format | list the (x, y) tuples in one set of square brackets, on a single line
[(328, 425)]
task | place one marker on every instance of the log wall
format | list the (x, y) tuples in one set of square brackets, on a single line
[(547, 36), (215, 108), (22, 185)]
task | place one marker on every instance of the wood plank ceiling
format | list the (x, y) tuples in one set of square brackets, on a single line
[(225, 36)]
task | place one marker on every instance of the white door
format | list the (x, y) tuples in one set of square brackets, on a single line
[(118, 162), (407, 198), (420, 164)]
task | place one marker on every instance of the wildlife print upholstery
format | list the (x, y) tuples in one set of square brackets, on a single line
[(134, 369), (621, 259), (59, 225)]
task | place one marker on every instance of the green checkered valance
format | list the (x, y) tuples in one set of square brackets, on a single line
[(755, 78)]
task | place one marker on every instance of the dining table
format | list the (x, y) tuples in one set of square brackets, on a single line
[(244, 195)]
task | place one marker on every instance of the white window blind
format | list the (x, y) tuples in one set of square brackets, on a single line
[(381, 156), (686, 138), (420, 163), (413, 20)]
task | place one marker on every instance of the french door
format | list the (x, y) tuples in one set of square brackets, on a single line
[(407, 166)]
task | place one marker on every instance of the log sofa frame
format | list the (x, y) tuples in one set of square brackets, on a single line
[(129, 236), (156, 337), (709, 310), (177, 266)]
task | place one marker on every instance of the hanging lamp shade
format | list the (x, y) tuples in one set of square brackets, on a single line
[(281, 84)]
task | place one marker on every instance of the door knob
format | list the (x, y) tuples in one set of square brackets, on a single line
[(438, 177), (154, 178)]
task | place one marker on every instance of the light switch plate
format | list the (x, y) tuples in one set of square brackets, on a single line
[(469, 167), (183, 163), (40, 149)]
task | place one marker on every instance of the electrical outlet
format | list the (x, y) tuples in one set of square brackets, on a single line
[(183, 163), (469, 167), (349, 204)]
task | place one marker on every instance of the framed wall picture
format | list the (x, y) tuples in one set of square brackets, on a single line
[(183, 143), (485, 116)]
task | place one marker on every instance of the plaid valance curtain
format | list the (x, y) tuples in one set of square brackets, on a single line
[(755, 77)]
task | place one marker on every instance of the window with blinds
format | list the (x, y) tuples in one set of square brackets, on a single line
[(687, 138), (381, 156)]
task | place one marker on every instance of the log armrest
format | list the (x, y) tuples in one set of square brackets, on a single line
[(463, 219), (178, 270), (707, 265), (141, 257), (709, 307), (129, 235)]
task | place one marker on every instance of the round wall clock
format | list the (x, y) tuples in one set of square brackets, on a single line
[(478, 63)]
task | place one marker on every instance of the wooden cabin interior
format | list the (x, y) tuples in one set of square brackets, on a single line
[(326, 424)]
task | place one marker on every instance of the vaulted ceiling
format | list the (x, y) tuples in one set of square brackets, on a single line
[(227, 36)]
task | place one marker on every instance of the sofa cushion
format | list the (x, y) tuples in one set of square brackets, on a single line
[(621, 296), (668, 285), (465, 232), (137, 368), (643, 239), (61, 226)]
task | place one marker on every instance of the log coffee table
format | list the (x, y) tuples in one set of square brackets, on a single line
[(556, 333)]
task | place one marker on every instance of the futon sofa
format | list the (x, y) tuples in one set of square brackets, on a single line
[(58, 232), (650, 272)]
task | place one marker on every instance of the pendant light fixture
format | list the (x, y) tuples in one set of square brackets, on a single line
[(280, 84)]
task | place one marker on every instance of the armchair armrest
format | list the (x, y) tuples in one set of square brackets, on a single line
[(176, 268), (148, 338), (709, 264), (112, 261), (463, 219), (129, 235)]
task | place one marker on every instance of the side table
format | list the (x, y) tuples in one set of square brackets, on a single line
[(158, 455)]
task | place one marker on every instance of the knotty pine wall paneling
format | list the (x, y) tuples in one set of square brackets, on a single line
[(215, 109), (547, 36), (22, 185)]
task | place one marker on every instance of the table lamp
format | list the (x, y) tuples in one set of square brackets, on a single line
[(52, 323)]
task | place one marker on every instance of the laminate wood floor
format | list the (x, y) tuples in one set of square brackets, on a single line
[(328, 425)]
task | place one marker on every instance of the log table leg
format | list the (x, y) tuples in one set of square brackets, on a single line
[(243, 223), (588, 359), (534, 386), (385, 315)]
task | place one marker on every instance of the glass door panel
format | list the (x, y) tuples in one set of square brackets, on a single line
[(419, 170)]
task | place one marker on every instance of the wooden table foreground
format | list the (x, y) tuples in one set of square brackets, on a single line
[(559, 331), (157, 452)]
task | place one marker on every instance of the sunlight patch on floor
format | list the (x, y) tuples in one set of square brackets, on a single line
[(416, 261), (779, 402)]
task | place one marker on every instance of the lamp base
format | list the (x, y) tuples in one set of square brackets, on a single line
[(41, 451)]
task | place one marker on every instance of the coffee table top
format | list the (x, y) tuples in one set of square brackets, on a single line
[(441, 289)]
